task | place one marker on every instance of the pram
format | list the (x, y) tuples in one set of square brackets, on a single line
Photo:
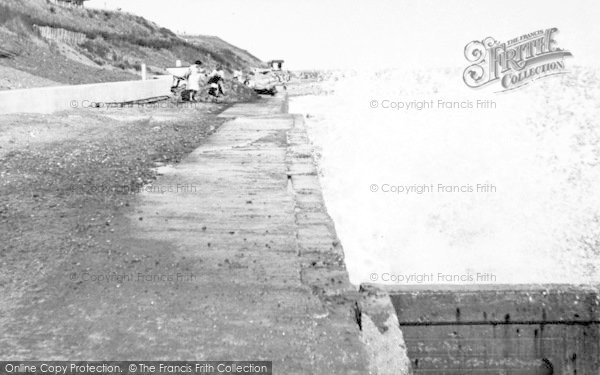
[(179, 89)]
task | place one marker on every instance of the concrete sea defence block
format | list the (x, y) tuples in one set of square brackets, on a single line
[(518, 329)]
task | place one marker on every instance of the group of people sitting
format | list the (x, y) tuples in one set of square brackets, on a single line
[(196, 79)]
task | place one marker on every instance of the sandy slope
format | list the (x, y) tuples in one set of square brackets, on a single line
[(11, 79)]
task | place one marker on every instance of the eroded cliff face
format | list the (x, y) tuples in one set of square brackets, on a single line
[(77, 45)]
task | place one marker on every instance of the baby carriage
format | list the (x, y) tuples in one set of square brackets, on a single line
[(179, 89)]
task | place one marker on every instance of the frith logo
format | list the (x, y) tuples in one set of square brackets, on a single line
[(514, 63)]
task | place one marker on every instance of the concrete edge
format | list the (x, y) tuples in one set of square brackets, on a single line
[(381, 333), (323, 269), (305, 185), (433, 288)]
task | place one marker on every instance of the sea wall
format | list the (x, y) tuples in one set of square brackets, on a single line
[(59, 98)]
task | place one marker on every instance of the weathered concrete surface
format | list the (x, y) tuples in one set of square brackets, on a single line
[(381, 333), (520, 329), (250, 222)]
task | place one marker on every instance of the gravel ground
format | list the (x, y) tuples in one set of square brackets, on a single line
[(66, 185), (257, 270)]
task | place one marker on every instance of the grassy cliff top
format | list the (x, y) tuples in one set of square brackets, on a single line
[(111, 45)]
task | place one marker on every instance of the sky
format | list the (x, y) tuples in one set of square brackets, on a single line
[(362, 34)]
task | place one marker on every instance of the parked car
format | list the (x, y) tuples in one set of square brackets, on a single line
[(263, 82)]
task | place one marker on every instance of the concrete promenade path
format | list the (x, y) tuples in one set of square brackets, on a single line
[(247, 220)]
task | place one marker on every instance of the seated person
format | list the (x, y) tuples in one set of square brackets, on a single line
[(215, 82)]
